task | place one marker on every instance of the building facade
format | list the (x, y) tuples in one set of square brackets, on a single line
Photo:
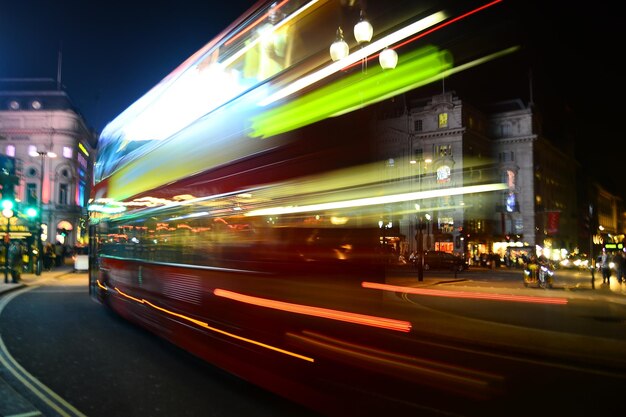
[(444, 143), (54, 151)]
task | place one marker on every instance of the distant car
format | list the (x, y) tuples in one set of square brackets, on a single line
[(574, 262), (444, 260)]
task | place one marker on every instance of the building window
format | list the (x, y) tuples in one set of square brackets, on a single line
[(67, 152), (511, 203), (446, 224), (443, 120), (418, 125), (444, 150), (507, 156), (63, 194), (32, 150), (31, 193), (443, 174), (10, 150), (510, 175)]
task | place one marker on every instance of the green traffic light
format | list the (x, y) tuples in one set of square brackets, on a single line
[(31, 212), (7, 204)]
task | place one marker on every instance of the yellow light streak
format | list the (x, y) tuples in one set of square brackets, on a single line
[(213, 329), (464, 294)]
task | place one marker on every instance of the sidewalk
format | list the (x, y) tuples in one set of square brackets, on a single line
[(32, 279), (481, 279)]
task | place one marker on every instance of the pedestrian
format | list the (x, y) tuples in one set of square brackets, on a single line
[(48, 256), (605, 268), (59, 252), (16, 263)]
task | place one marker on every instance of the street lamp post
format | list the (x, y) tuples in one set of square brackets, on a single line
[(42, 155), (419, 235), (7, 242), (591, 255), (428, 218)]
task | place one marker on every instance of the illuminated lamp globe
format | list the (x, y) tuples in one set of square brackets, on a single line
[(339, 49), (388, 58), (363, 30)]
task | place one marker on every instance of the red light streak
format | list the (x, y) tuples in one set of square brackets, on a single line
[(429, 31), (385, 323), (462, 294)]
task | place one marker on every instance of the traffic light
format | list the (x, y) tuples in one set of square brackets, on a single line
[(7, 207), (8, 194), (31, 212)]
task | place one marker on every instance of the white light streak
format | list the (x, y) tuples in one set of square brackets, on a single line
[(371, 201), (360, 54)]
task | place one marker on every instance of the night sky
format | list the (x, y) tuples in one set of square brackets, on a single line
[(114, 51)]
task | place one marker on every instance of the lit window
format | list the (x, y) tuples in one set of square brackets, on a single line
[(67, 152), (443, 173), (510, 181), (511, 203), (443, 120), (10, 150), (32, 150)]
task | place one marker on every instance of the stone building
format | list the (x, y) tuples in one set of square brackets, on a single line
[(445, 144), (53, 149)]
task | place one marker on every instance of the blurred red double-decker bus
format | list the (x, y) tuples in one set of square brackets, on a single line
[(237, 203)]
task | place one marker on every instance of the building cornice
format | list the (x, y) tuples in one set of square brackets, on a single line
[(43, 131), (518, 139), (441, 133)]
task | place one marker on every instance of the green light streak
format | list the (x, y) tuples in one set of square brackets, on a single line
[(352, 92)]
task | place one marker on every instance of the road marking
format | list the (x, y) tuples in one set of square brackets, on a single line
[(45, 394), (32, 413)]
